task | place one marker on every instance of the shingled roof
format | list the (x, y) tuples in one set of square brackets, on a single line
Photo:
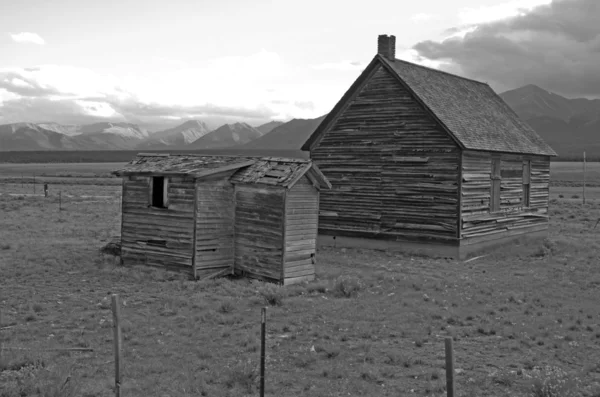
[(281, 172), (276, 171), (469, 110), (180, 165)]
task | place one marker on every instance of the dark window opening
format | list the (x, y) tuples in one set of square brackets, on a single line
[(158, 192)]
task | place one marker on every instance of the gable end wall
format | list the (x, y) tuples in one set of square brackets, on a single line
[(393, 169)]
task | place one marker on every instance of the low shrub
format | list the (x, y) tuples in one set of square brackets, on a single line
[(113, 247), (553, 382), (347, 286), (272, 294), (243, 374)]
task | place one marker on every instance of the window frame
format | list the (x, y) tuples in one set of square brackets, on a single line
[(165, 193), (526, 183), (496, 183)]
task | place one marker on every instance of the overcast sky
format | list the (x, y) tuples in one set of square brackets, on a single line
[(75, 61)]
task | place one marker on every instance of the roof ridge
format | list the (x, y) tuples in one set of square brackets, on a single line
[(436, 70)]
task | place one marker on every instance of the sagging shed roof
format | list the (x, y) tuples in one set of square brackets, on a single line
[(274, 171), (470, 111), (281, 172)]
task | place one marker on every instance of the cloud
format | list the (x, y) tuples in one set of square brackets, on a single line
[(235, 88), (470, 16), (341, 66), (423, 17), (555, 46), (27, 37)]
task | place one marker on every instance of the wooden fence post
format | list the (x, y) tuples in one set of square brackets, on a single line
[(262, 350), (584, 171), (1, 338), (449, 368), (116, 310)]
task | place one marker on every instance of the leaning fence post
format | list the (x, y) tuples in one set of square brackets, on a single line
[(262, 350), (116, 310), (449, 368)]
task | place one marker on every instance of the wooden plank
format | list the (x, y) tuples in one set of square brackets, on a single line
[(299, 262), (299, 273), (300, 279), (194, 248), (284, 220), (410, 159)]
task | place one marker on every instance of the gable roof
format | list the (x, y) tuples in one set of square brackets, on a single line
[(275, 171), (281, 172), (469, 110)]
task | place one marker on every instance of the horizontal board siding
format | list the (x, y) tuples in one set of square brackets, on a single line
[(394, 171), (302, 215), (214, 226), (258, 230), (173, 225), (477, 220)]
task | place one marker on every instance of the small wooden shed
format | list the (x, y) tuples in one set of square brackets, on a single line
[(213, 215)]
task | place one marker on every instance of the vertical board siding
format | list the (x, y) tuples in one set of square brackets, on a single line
[(173, 225), (394, 171), (259, 214), (477, 220), (302, 213), (214, 226)]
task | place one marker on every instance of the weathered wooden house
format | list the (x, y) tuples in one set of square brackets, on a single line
[(212, 215), (420, 159)]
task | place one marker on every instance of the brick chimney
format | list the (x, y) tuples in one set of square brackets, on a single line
[(386, 46)]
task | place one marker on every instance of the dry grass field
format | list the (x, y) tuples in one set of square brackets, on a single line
[(372, 324)]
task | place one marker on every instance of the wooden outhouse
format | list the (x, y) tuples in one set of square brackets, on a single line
[(213, 215), (424, 160)]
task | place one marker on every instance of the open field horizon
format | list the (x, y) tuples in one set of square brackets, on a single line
[(372, 323)]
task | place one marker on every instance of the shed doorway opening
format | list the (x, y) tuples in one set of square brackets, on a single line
[(159, 192)]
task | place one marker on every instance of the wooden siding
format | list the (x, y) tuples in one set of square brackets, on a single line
[(214, 227), (394, 170), (172, 226), (259, 214), (302, 213), (478, 222)]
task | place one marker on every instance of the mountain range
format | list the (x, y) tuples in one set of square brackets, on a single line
[(226, 136), (176, 137), (570, 126)]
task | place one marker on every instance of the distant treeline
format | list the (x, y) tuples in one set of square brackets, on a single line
[(122, 156)]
